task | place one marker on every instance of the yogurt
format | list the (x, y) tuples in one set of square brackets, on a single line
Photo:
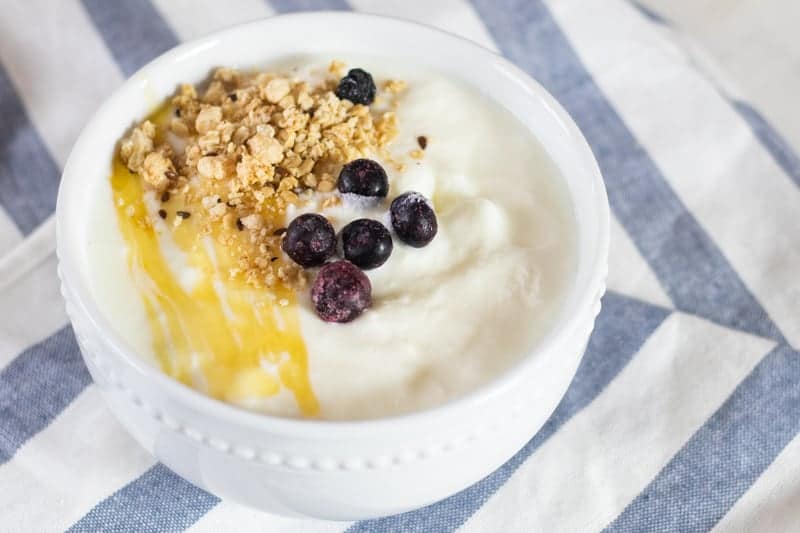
[(447, 318)]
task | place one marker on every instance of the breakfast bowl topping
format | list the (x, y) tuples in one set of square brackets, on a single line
[(357, 86), (341, 292), (363, 177), (309, 240), (366, 243), (413, 219)]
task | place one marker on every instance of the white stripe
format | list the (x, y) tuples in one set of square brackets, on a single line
[(194, 18), (31, 309), (229, 516), (629, 273), (708, 153), (82, 457), (455, 16), (9, 235), (585, 474), (770, 504), (34, 250), (751, 41), (60, 66)]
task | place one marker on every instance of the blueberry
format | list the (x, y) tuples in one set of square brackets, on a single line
[(341, 292), (357, 87), (309, 240), (413, 219), (364, 177), (366, 243)]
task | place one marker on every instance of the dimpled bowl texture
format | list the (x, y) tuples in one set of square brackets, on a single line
[(334, 470)]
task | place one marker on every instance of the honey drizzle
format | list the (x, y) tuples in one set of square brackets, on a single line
[(194, 339)]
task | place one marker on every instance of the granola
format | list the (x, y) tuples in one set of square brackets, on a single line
[(237, 153)]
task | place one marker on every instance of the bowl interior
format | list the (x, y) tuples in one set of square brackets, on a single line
[(274, 39)]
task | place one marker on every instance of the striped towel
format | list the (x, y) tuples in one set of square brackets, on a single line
[(685, 412)]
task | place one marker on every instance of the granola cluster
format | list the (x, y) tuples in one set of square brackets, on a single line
[(235, 155)]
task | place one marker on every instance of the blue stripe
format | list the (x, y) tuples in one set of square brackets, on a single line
[(717, 465), (28, 175), (133, 31), (777, 146), (288, 6), (36, 386), (649, 13), (691, 268), (622, 327), (158, 501)]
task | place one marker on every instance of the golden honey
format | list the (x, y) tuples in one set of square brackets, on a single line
[(220, 335)]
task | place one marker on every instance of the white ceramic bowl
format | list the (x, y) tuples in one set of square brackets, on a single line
[(334, 470)]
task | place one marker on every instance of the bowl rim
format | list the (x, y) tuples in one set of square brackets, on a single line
[(567, 322)]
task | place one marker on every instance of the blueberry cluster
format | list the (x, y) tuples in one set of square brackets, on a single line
[(342, 291)]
